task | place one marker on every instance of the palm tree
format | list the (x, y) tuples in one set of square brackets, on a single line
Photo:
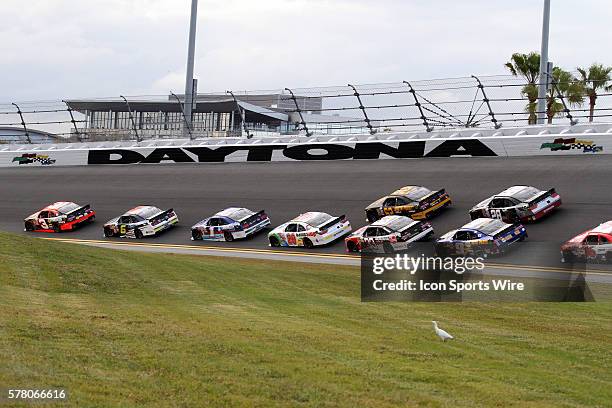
[(596, 78), (570, 88), (527, 66)]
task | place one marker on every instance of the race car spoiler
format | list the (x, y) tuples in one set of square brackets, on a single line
[(80, 210), (162, 216), (541, 196), (434, 194), (505, 230), (252, 219), (332, 222)]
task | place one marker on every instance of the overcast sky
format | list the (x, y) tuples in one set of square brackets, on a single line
[(52, 49)]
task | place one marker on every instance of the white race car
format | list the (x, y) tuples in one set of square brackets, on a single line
[(141, 221), (230, 224), (389, 234), (309, 230)]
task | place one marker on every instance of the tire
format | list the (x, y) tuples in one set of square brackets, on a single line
[(228, 236), (57, 228), (308, 243), (138, 233), (29, 226), (388, 248), (352, 247), (108, 232), (92, 219), (195, 234), (372, 216), (568, 257), (274, 242)]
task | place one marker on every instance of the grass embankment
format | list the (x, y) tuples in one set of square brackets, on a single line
[(127, 329)]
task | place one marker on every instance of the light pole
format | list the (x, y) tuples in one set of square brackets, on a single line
[(543, 64), (188, 105)]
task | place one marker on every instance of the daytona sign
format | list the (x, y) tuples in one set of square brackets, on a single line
[(263, 153)]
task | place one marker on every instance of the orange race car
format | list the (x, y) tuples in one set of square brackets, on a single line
[(60, 216)]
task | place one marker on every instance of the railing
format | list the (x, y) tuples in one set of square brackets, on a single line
[(470, 102)]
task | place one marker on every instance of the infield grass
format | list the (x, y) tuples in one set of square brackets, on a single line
[(133, 329)]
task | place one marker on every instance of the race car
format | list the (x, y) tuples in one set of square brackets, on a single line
[(591, 246), (230, 224), (309, 230), (415, 202), (517, 204), (141, 221), (60, 216), (389, 234), (481, 237)]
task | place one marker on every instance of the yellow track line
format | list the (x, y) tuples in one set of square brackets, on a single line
[(298, 254)]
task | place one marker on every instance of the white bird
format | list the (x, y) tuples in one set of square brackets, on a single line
[(441, 333)]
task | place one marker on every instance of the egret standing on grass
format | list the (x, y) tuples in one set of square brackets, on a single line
[(441, 333)]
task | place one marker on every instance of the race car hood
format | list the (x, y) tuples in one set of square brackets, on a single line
[(481, 204), (446, 237), (357, 233), (376, 204), (111, 221), (577, 239), (200, 223)]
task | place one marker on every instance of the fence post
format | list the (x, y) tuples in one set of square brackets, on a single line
[(242, 115), (299, 111), (76, 129), (486, 100), (181, 108), (418, 105), (25, 129), (560, 96), (365, 114), (131, 117)]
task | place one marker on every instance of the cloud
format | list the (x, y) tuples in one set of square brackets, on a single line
[(71, 48)]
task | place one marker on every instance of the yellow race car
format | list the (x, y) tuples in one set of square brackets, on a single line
[(416, 202)]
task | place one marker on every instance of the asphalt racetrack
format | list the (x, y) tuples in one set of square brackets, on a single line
[(286, 189)]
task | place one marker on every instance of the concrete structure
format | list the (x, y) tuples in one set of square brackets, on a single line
[(17, 135), (213, 115)]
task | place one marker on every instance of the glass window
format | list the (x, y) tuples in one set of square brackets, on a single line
[(592, 239), (291, 228), (300, 228)]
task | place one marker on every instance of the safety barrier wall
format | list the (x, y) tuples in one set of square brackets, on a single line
[(506, 146)]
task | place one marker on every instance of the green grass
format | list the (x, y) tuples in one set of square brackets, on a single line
[(133, 329)]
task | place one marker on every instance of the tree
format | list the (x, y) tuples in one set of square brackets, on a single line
[(570, 88), (527, 66), (596, 78)]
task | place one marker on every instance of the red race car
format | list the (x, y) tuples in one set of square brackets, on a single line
[(60, 216), (591, 246)]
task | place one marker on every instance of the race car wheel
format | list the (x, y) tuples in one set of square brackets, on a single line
[(108, 232), (274, 242), (352, 247), (568, 257), (307, 243), (29, 226), (138, 233), (57, 228), (388, 248), (92, 219), (228, 236)]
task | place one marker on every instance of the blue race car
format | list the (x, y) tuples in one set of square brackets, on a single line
[(230, 224), (481, 237)]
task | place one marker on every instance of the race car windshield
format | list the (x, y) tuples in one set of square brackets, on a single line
[(399, 223), (490, 226), (318, 219), (239, 214), (526, 193), (417, 193), (67, 208)]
